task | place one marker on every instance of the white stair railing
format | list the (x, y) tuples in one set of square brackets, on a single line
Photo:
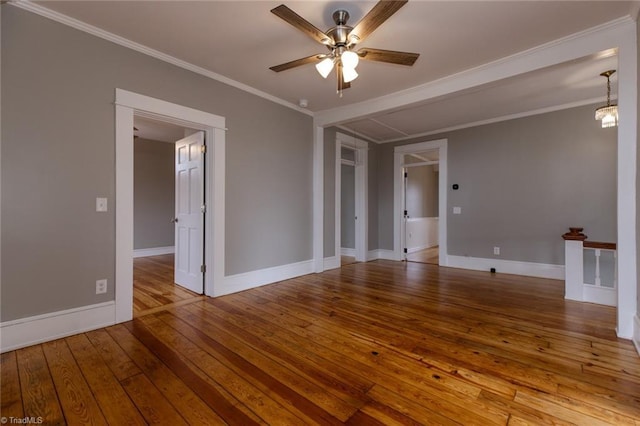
[(600, 286)]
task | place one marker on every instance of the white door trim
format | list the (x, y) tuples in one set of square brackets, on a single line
[(128, 104), (398, 196), (361, 191)]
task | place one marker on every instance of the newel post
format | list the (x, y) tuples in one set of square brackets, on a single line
[(573, 264)]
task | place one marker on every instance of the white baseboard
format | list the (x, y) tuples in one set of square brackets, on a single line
[(636, 333), (530, 269), (29, 331), (247, 280), (332, 262), (154, 251), (345, 251), (381, 254), (599, 295)]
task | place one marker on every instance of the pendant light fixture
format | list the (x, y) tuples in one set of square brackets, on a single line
[(608, 113)]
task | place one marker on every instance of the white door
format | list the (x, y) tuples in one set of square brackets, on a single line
[(189, 220)]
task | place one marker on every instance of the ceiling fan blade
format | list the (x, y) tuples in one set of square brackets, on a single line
[(376, 17), (297, 63), (390, 56), (300, 23)]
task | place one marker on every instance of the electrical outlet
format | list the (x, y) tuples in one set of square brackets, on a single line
[(101, 286), (101, 204), (496, 251)]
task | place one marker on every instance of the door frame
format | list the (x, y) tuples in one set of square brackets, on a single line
[(399, 232), (361, 148), (128, 104)]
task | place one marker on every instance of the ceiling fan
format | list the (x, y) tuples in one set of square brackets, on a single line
[(342, 39)]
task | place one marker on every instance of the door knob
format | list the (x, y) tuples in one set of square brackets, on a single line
[(174, 220)]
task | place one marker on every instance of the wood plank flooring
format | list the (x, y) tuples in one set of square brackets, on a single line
[(391, 343), (154, 288), (428, 255)]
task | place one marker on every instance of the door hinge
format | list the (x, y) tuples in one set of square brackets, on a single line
[(203, 268), (405, 251), (203, 148), (405, 213), (203, 208), (406, 175)]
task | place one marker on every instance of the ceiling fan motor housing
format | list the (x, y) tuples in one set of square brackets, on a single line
[(339, 33)]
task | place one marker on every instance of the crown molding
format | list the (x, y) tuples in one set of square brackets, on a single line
[(106, 35)]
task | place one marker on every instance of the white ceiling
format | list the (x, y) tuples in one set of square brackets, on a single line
[(240, 40), (156, 130)]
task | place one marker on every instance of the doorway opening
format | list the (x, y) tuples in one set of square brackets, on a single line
[(420, 202), (351, 201), (421, 206), (128, 104), (169, 175)]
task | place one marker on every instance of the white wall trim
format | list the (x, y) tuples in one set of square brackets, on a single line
[(332, 262), (636, 333), (346, 251), (153, 251), (29, 331), (361, 170), (318, 199), (626, 180), (502, 266), (127, 105), (574, 46), (599, 295), (252, 279), (106, 35), (398, 196), (381, 254)]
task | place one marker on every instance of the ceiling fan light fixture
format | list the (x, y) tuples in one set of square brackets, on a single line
[(608, 113), (325, 66), (349, 59), (349, 74)]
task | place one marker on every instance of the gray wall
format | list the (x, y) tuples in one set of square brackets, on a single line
[(522, 183), (58, 155), (373, 195), (422, 191), (638, 178), (329, 192), (348, 207), (153, 193)]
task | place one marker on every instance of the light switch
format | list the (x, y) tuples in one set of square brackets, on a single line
[(101, 204), (457, 210)]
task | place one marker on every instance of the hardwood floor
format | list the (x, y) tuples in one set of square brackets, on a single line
[(428, 255), (347, 260), (370, 343), (154, 288)]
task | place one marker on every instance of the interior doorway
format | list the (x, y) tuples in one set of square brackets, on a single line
[(168, 217), (351, 201), (421, 206), (128, 104), (413, 156)]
